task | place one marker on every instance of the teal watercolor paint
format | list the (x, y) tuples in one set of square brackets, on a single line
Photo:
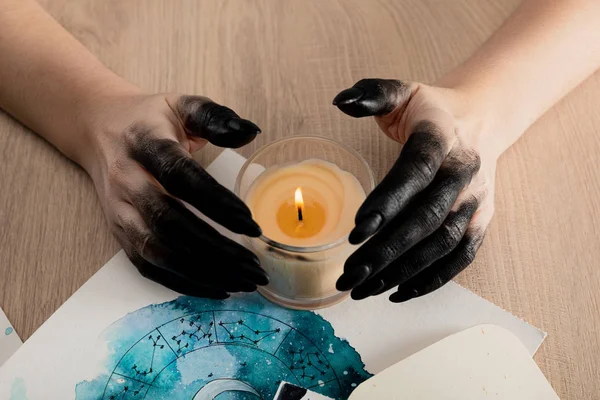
[(241, 348), (8, 331), (18, 390)]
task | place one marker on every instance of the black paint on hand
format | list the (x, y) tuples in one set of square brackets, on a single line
[(218, 124), (182, 177), (370, 97), (415, 240), (167, 242)]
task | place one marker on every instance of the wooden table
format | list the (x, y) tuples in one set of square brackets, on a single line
[(280, 63)]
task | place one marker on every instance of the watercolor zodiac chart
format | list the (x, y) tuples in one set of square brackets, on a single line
[(240, 348)]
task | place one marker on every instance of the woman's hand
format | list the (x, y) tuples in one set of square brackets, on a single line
[(143, 172), (428, 216)]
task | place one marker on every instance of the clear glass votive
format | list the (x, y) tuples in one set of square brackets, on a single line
[(335, 180)]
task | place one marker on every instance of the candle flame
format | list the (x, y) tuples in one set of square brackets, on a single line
[(299, 203)]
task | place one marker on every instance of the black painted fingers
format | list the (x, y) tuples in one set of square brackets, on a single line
[(178, 249), (408, 223), (220, 125), (174, 168), (371, 97), (422, 255), (419, 222), (414, 170), (152, 191), (173, 281), (187, 249), (443, 270)]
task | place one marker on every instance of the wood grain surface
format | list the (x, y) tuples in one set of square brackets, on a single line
[(280, 63)]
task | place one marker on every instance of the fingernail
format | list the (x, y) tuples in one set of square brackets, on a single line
[(348, 96), (252, 229), (245, 225), (365, 228), (404, 295), (369, 288), (255, 274), (243, 125), (353, 277)]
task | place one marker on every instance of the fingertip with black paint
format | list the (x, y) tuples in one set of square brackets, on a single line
[(243, 125), (367, 289), (218, 296), (244, 257), (218, 124), (254, 273), (191, 289), (370, 97), (365, 228), (246, 226), (402, 296), (235, 133), (348, 96), (353, 277)]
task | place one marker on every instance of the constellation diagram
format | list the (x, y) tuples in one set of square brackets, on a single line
[(198, 355), (194, 331), (256, 332), (311, 364), (156, 345)]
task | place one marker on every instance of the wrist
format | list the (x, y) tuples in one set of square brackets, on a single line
[(486, 111), (95, 112)]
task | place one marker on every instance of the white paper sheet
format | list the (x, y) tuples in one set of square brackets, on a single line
[(480, 363), (65, 350), (9, 340)]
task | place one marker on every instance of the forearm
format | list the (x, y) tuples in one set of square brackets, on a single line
[(48, 80), (544, 50)]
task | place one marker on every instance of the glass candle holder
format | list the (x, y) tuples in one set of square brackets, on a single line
[(304, 257)]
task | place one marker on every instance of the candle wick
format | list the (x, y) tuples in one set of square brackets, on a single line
[(300, 214)]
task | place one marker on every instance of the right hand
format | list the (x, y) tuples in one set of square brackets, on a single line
[(142, 167), (423, 224)]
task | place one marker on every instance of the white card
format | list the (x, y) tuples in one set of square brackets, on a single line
[(479, 363)]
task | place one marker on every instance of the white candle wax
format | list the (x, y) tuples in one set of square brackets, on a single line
[(331, 199)]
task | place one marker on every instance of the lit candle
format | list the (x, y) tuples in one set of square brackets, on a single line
[(299, 200), (307, 205), (297, 220)]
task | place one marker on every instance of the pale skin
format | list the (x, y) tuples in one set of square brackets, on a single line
[(421, 226)]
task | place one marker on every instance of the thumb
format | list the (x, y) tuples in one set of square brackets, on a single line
[(374, 97), (203, 118)]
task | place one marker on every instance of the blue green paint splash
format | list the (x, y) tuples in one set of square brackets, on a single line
[(239, 348), (18, 390)]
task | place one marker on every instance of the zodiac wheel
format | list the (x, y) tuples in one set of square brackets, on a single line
[(195, 352)]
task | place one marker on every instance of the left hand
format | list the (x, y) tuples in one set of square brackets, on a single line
[(140, 159), (428, 216)]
